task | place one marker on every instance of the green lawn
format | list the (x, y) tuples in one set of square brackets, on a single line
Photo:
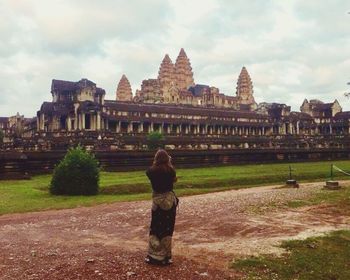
[(340, 198), (32, 195), (326, 257)]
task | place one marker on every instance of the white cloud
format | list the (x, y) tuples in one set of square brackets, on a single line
[(292, 49)]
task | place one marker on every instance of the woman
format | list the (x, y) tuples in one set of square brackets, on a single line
[(162, 176)]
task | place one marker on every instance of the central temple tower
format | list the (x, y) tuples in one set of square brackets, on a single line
[(244, 90), (183, 71)]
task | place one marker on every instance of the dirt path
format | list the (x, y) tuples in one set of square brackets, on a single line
[(109, 241)]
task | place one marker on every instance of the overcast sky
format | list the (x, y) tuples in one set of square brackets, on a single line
[(292, 49)]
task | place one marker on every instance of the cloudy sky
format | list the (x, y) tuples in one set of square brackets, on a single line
[(292, 49)]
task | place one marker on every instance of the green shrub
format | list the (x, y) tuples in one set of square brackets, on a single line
[(155, 140), (77, 174)]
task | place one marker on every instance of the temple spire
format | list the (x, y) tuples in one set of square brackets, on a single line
[(244, 89), (166, 72), (183, 71), (124, 92)]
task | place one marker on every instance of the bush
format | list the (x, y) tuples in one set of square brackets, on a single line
[(77, 174), (155, 140)]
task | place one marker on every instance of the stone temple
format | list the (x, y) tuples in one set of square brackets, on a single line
[(189, 115)]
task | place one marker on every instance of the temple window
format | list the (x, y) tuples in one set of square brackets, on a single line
[(87, 121), (63, 120)]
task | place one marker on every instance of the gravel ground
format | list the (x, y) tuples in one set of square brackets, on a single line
[(110, 241)]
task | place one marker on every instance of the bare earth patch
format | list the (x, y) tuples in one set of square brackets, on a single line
[(110, 241)]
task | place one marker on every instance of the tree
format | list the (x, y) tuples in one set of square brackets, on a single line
[(155, 140), (77, 174)]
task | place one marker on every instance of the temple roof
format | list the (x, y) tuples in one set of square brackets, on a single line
[(180, 109), (69, 86), (51, 108), (197, 90), (300, 116), (342, 115), (322, 106), (100, 91)]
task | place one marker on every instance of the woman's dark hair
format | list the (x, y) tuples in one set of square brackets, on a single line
[(162, 161)]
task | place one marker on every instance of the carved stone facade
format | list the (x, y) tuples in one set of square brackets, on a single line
[(189, 115), (74, 106), (175, 85)]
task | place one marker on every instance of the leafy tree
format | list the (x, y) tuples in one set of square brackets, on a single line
[(155, 140), (77, 174)]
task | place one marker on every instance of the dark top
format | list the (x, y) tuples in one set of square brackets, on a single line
[(161, 181)]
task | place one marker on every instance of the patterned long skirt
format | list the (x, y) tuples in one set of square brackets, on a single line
[(162, 226)]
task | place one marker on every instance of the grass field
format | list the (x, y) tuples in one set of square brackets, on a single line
[(324, 257), (32, 195)]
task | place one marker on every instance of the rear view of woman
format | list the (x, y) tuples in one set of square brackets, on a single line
[(162, 176)]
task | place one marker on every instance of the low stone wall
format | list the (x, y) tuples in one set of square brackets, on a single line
[(20, 165)]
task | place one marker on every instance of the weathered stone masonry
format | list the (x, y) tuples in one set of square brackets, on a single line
[(188, 114)]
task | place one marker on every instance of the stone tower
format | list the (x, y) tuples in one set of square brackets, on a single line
[(124, 92), (166, 72), (183, 71), (245, 88), (166, 78)]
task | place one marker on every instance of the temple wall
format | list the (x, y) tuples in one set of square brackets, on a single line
[(14, 165)]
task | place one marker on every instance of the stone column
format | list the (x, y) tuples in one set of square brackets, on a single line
[(42, 122), (82, 121), (92, 122), (116, 126), (298, 129), (38, 123), (98, 127), (169, 128), (330, 129), (151, 127), (130, 130), (281, 129), (79, 122), (69, 124), (140, 129)]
